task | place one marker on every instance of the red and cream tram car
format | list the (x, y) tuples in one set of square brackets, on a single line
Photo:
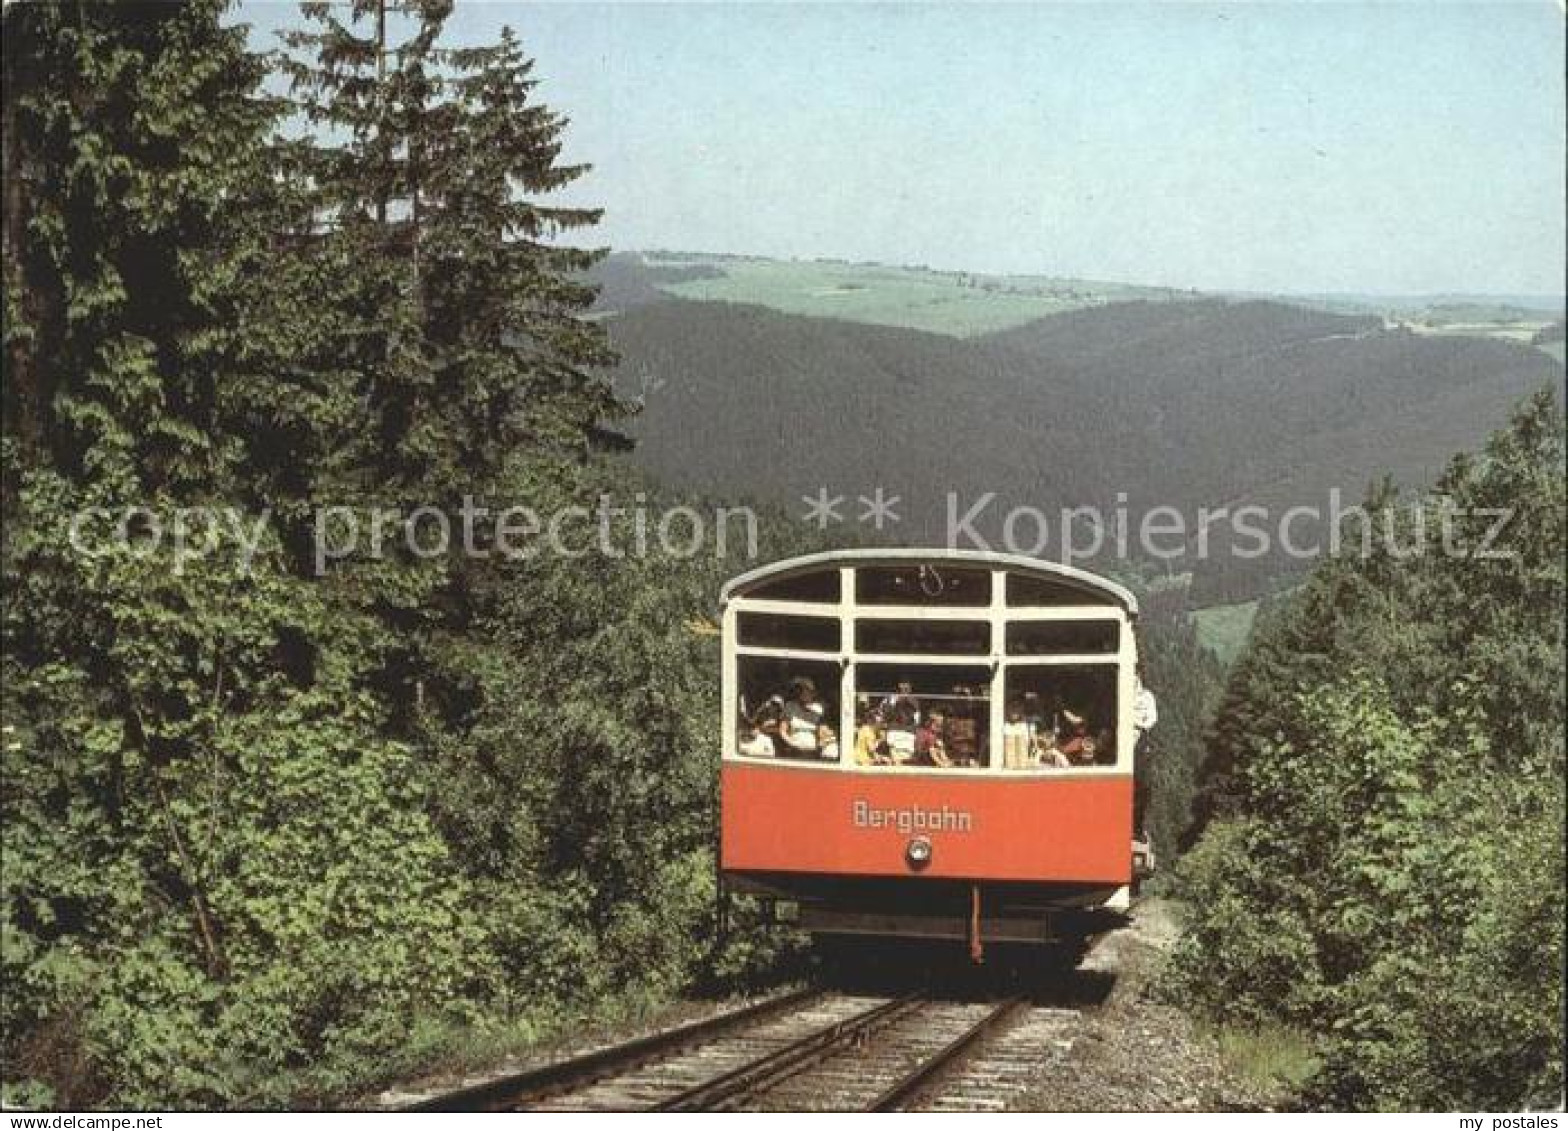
[(927, 743)]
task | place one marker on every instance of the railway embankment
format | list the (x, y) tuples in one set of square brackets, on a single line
[(1140, 1052), (1097, 1038)]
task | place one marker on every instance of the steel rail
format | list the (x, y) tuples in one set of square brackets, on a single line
[(797, 1056), (929, 1071), (511, 1090)]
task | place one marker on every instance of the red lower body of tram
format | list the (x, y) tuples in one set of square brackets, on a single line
[(1030, 859)]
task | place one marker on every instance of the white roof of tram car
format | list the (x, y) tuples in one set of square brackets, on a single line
[(1012, 563)]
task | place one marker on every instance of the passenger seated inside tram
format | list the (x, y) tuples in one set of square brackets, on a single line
[(871, 738), (900, 737), (1048, 754), (752, 742), (827, 743), (931, 740), (902, 700), (1034, 712), (1075, 742), (1018, 738), (802, 717), (963, 739), (1105, 747), (769, 721)]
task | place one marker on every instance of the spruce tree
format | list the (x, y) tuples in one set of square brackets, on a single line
[(129, 131), (426, 172), (451, 340), (504, 300)]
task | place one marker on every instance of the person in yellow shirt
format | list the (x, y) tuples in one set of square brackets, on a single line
[(870, 749)]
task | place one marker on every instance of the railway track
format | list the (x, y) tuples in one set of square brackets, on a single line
[(807, 1051)]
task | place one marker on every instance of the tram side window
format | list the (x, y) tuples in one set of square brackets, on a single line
[(1059, 717), (1062, 637), (933, 715), (804, 634), (787, 709), (1027, 591)]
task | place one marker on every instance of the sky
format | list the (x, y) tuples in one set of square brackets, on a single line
[(1411, 148)]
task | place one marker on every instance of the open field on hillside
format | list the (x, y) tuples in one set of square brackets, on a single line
[(959, 304), (966, 304), (1223, 629), (1522, 331)]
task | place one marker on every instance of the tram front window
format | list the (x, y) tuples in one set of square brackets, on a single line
[(935, 715), (787, 709), (924, 585), (1059, 717)]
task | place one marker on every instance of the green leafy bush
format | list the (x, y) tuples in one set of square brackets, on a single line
[(1383, 860)]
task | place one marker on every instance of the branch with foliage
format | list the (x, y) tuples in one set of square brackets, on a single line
[(1382, 858)]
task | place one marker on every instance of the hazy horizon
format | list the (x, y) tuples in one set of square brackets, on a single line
[(1346, 149)]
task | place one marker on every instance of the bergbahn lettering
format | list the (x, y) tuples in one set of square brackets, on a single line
[(914, 819)]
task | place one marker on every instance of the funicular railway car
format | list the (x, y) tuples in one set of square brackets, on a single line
[(932, 744)]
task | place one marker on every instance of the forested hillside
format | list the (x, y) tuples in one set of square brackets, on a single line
[(1381, 861), (276, 822), (1188, 404)]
